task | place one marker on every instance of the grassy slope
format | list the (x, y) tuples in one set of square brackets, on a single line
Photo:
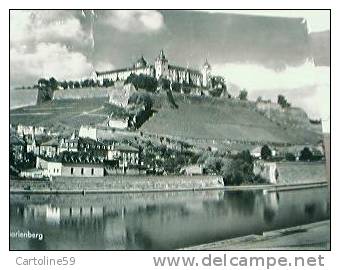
[(221, 119), (209, 118), (66, 113)]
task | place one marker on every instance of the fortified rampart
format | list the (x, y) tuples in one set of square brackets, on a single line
[(82, 93)]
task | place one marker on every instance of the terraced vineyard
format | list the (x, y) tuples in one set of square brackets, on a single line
[(210, 118), (66, 113), (195, 117)]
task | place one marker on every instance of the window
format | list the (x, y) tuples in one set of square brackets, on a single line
[(72, 170), (82, 171), (92, 171)]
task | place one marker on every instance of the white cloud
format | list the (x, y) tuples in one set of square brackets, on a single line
[(47, 60), (45, 26), (317, 20), (305, 86), (134, 20)]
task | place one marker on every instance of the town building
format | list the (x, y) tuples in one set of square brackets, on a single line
[(127, 156), (70, 166), (195, 169), (160, 69), (23, 130), (118, 123), (68, 144), (17, 148), (34, 144), (49, 148), (96, 133)]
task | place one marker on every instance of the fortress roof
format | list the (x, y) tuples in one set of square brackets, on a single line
[(122, 70), (185, 69), (140, 62)]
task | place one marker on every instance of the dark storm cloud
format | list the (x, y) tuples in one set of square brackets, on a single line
[(189, 37), (118, 38), (320, 48)]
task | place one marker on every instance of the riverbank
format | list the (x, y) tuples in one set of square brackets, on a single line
[(313, 236), (136, 184), (117, 184)]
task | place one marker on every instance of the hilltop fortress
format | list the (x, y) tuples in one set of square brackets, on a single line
[(160, 69)]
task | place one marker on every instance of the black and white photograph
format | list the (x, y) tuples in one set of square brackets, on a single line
[(169, 130)]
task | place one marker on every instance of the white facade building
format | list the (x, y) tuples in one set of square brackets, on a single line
[(160, 68)]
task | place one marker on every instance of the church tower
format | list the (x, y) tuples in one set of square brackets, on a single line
[(206, 72), (161, 66)]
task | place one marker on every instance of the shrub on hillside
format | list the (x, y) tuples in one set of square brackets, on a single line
[(243, 95), (164, 83), (176, 87), (306, 154), (290, 157), (282, 101), (266, 152)]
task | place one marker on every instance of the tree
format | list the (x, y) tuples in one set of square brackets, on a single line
[(306, 154), (43, 83), (266, 152), (216, 92), (85, 83), (282, 101), (142, 99), (70, 84), (64, 84), (218, 82), (76, 84), (142, 81), (54, 83), (243, 94), (213, 164), (238, 170)]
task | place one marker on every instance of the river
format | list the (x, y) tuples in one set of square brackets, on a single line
[(163, 220)]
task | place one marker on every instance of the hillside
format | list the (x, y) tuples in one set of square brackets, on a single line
[(65, 114), (220, 119), (21, 98), (196, 118)]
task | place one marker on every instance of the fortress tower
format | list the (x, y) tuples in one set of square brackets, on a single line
[(161, 66), (206, 72)]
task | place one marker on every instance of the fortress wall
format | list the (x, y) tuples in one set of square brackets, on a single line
[(23, 98), (82, 93), (293, 116), (301, 172)]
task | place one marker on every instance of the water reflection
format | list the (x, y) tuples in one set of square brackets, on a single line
[(158, 220)]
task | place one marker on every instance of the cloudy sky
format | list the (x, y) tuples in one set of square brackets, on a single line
[(266, 52)]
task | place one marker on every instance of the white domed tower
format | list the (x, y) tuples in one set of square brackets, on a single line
[(206, 71), (161, 66)]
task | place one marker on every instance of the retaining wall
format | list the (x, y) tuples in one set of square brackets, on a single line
[(121, 183)]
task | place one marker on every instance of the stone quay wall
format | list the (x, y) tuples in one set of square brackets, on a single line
[(119, 183)]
